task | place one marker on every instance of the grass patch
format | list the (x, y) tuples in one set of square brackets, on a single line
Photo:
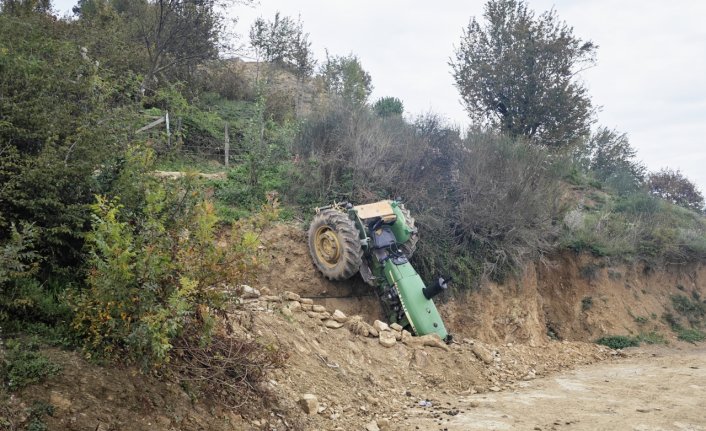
[(618, 341), (691, 335), (23, 365), (652, 338)]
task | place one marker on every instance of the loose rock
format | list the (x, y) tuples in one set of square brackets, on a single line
[(380, 326), (249, 292), (338, 316), (396, 326), (309, 404), (291, 296), (387, 339), (482, 353), (319, 308), (372, 426), (330, 323), (294, 306)]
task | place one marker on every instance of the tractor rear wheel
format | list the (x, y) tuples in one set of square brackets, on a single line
[(410, 246), (334, 245)]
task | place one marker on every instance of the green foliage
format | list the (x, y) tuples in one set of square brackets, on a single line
[(388, 106), (35, 415), (691, 335), (618, 341), (609, 156), (154, 273), (586, 303), (674, 187), (23, 365), (282, 41), (693, 310), (652, 338), (344, 76), (517, 71)]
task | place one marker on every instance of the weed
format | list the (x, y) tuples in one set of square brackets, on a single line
[(618, 341), (24, 365), (35, 414), (691, 335), (589, 272), (672, 321), (641, 320), (652, 338), (586, 303)]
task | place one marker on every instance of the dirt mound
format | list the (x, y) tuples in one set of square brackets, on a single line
[(288, 266)]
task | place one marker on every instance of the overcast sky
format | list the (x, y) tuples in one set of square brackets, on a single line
[(650, 80)]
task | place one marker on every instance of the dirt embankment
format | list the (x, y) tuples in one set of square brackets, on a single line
[(575, 297), (342, 377)]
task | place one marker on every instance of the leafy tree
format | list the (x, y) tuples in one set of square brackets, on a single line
[(177, 35), (611, 158), (517, 72), (25, 7), (283, 42), (674, 187), (346, 77), (388, 106)]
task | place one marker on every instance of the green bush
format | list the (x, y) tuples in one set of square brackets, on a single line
[(152, 274), (618, 341), (691, 335), (652, 338), (23, 365)]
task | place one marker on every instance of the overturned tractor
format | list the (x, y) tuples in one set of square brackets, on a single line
[(377, 241)]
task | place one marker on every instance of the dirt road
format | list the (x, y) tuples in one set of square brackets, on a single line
[(657, 389)]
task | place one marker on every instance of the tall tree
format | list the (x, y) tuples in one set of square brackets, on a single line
[(345, 76), (611, 158), (674, 187), (517, 71), (177, 35), (283, 41)]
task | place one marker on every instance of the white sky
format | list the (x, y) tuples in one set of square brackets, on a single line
[(650, 79)]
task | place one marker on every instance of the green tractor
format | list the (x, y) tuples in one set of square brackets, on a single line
[(377, 241)]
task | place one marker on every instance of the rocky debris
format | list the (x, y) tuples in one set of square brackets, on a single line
[(309, 404), (420, 359), (396, 327), (380, 326), (306, 301), (290, 296), (358, 327), (372, 426), (271, 298), (333, 324), (387, 339), (430, 340), (319, 308), (339, 316), (307, 307), (482, 353), (287, 312), (321, 316), (294, 306), (249, 292)]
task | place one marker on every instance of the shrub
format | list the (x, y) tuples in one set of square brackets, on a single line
[(23, 365), (618, 341), (154, 273), (691, 335), (586, 303), (651, 338)]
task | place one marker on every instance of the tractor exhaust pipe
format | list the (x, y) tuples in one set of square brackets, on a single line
[(438, 287)]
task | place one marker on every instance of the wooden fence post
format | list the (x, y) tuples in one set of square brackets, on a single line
[(227, 147)]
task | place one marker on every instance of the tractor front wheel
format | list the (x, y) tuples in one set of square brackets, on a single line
[(334, 245)]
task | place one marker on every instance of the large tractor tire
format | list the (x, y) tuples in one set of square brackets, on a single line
[(334, 245), (410, 246)]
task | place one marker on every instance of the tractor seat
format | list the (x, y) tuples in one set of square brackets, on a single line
[(383, 237)]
